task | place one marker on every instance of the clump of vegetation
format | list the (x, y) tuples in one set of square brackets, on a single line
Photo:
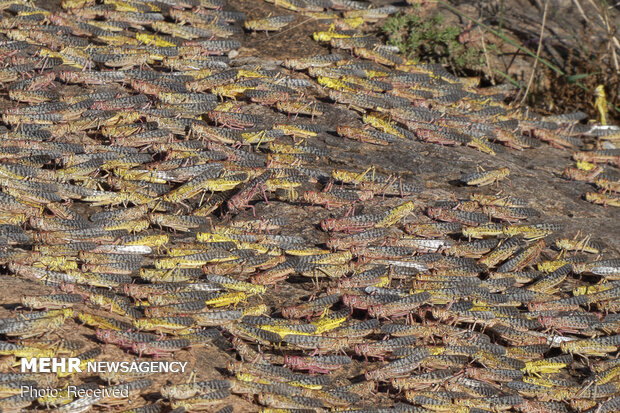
[(428, 38)]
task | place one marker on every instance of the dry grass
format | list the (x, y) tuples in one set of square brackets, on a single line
[(590, 58)]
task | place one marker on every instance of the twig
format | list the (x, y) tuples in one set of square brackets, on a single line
[(605, 21), (486, 56), (540, 40), (611, 36), (578, 5), (288, 29), (501, 16)]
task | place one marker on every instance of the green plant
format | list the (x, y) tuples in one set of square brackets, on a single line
[(428, 38)]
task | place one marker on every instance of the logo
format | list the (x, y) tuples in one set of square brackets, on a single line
[(76, 365)]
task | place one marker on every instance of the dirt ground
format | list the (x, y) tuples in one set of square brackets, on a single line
[(535, 173)]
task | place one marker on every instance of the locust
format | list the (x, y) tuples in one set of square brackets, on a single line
[(51, 301), (315, 61), (601, 199), (399, 367), (592, 347), (241, 199), (189, 390), (485, 178), (308, 108), (267, 24)]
